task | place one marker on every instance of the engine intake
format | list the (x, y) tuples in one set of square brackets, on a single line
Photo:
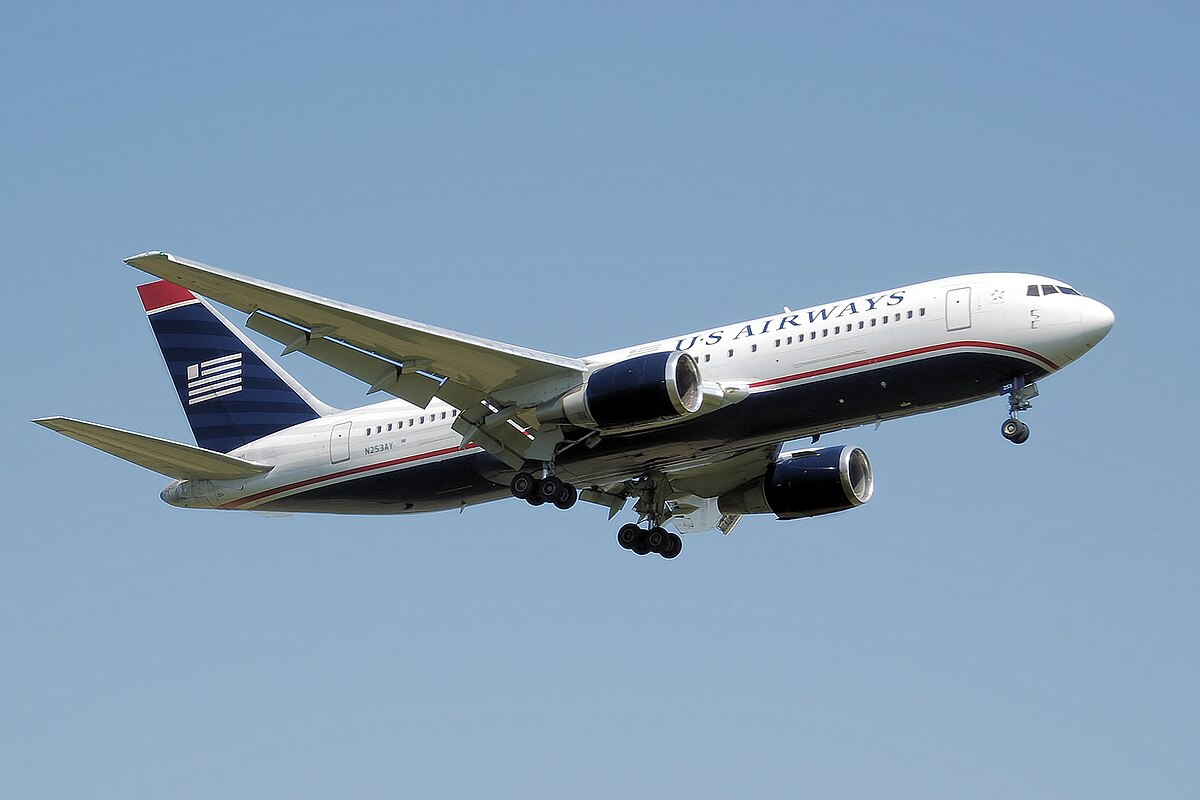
[(635, 392), (806, 483)]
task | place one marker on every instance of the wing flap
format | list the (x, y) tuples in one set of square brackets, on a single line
[(173, 459), (379, 373)]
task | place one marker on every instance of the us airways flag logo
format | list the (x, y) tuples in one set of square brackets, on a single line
[(214, 378)]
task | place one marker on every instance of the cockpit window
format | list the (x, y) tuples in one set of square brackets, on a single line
[(1048, 289), (1032, 291), (1068, 290)]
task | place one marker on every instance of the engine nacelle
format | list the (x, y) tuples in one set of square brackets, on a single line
[(806, 483), (630, 394)]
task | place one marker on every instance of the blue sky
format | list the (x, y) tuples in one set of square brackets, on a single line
[(997, 622)]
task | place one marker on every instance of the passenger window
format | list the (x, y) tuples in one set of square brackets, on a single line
[(861, 324), (410, 423), (1048, 290), (753, 348), (885, 319), (824, 332), (731, 353), (800, 338), (368, 431), (1032, 291), (443, 415), (389, 426), (897, 316), (707, 358), (837, 329), (873, 321), (910, 315), (379, 429), (789, 340), (921, 313)]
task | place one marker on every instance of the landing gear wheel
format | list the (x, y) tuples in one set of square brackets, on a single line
[(640, 545), (523, 485), (1015, 431), (567, 498), (628, 535), (535, 501), (549, 489), (673, 547), (656, 539)]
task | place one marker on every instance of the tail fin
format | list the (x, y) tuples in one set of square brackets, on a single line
[(232, 392)]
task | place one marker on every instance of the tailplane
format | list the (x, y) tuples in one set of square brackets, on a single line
[(231, 391)]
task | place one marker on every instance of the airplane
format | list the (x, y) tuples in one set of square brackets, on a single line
[(691, 428)]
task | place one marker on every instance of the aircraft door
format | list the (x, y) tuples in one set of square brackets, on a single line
[(339, 443), (958, 309)]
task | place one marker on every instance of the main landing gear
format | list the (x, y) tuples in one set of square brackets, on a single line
[(537, 491), (1019, 395), (654, 540)]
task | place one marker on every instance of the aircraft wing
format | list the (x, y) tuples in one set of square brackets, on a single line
[(173, 459), (492, 383), (481, 364)]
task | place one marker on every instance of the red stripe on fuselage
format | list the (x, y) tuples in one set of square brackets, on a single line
[(905, 354), (241, 501)]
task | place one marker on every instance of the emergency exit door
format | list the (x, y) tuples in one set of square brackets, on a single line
[(339, 443), (958, 309)]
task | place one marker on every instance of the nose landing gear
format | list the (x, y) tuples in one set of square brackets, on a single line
[(1019, 395)]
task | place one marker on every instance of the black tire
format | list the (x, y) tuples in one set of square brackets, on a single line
[(523, 485), (535, 501), (1011, 428), (657, 538), (1022, 435), (674, 546), (568, 497), (628, 535), (640, 546), (549, 489)]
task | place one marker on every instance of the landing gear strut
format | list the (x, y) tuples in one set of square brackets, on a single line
[(1019, 395)]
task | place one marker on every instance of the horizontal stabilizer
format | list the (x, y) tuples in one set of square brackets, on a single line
[(173, 459)]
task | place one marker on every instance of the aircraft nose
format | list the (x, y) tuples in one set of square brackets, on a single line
[(1097, 320)]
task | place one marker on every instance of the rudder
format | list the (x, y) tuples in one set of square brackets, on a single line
[(231, 391)]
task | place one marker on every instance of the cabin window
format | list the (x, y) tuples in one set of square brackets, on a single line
[(753, 348), (443, 415), (707, 358), (873, 321), (800, 338), (777, 342), (921, 313), (884, 320), (789, 340), (824, 332), (897, 316), (410, 423), (368, 431), (910, 315), (389, 426), (731, 353)]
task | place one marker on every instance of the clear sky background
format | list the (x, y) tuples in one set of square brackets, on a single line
[(999, 621)]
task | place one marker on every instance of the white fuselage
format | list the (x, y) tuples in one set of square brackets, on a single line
[(970, 333)]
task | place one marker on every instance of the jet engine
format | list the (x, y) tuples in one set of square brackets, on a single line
[(638, 392), (806, 483)]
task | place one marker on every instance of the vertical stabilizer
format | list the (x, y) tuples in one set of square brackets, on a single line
[(232, 392)]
